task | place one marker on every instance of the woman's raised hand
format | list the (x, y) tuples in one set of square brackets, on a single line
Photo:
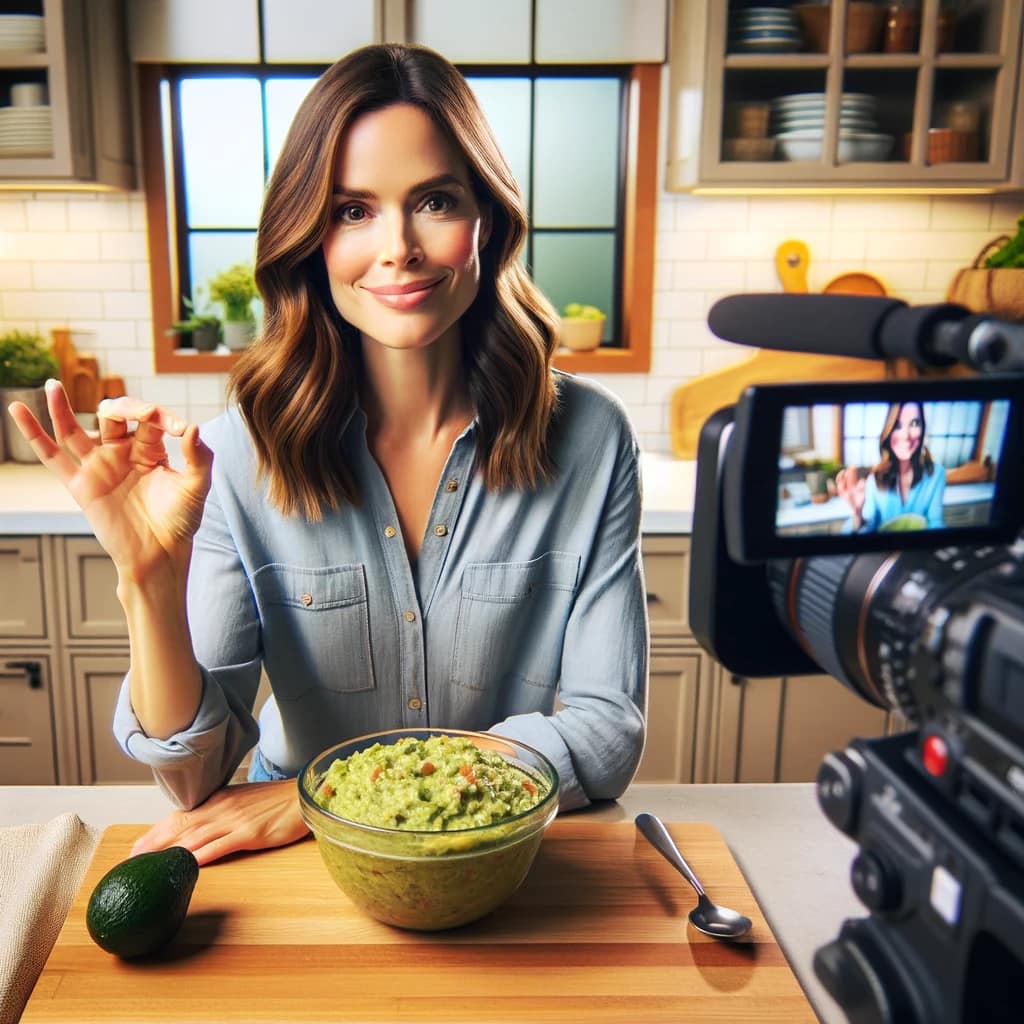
[(851, 486), (141, 510)]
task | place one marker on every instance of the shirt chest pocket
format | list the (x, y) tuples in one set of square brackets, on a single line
[(512, 618), (316, 628)]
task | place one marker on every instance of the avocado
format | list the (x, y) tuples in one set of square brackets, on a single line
[(139, 905)]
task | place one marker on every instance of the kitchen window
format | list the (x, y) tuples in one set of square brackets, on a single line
[(212, 135)]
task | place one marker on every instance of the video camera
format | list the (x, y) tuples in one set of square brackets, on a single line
[(873, 530)]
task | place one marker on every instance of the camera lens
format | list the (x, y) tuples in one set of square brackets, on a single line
[(861, 617)]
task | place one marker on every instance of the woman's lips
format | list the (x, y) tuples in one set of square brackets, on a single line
[(405, 296)]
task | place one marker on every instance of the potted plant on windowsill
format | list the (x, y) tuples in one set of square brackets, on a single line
[(235, 289), (26, 363), (202, 328), (582, 327)]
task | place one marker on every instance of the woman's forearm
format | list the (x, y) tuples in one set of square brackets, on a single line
[(165, 679)]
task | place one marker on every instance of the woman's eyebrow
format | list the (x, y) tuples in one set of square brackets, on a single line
[(438, 181)]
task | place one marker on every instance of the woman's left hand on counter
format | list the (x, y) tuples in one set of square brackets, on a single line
[(247, 816)]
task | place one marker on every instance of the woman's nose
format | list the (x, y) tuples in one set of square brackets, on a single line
[(399, 245)]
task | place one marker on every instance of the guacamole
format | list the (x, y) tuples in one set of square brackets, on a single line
[(437, 784)]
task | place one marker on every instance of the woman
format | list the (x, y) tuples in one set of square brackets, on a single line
[(411, 519), (906, 480)]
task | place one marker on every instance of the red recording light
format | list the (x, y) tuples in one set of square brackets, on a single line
[(935, 755)]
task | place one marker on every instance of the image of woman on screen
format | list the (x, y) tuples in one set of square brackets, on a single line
[(905, 489)]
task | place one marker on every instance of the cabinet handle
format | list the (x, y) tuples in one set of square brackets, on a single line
[(34, 671), (735, 679), (651, 598)]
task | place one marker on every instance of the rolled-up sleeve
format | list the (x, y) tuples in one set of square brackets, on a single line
[(596, 738), (226, 638)]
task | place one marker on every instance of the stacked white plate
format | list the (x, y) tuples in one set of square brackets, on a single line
[(764, 30), (798, 122), (26, 131), (22, 33)]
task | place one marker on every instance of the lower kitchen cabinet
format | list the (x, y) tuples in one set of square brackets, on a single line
[(780, 729), (96, 680), (28, 746)]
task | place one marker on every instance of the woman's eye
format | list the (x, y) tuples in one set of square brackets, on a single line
[(349, 213), (438, 202)]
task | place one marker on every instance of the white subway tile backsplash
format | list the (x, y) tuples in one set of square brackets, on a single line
[(207, 389), (677, 304), (47, 216), (780, 213), (710, 213), (38, 305), (94, 214), (680, 245), (856, 213), (12, 215), (958, 213), (123, 245), (46, 245), (61, 276), (125, 305), (15, 276)]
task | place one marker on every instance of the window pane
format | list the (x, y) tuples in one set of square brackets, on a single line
[(576, 152), (506, 105), (284, 95), (580, 268), (222, 149), (210, 252)]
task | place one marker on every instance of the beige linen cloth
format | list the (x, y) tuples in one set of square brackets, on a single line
[(41, 867)]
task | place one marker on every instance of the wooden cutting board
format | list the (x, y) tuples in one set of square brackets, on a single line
[(598, 932)]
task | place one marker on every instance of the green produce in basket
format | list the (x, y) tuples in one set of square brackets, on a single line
[(140, 904), (578, 311), (1011, 255), (904, 523)]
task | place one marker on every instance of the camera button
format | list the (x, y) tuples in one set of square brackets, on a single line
[(945, 895), (875, 881), (935, 755)]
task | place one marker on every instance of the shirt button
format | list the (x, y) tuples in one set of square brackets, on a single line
[(414, 704), (452, 485), (409, 616), (440, 530), (389, 531), (306, 599)]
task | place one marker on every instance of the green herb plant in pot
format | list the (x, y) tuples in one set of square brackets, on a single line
[(582, 327), (235, 289), (202, 328), (26, 363)]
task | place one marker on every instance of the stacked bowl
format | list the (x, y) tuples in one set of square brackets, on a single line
[(22, 33), (764, 30), (798, 123), (26, 132)]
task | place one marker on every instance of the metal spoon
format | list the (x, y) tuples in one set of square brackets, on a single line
[(707, 917)]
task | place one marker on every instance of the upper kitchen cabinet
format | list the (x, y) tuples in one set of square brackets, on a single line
[(850, 94), (64, 78), (600, 31), (195, 31), (464, 34), (318, 31)]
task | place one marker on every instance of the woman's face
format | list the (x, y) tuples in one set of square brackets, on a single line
[(403, 250), (905, 438)]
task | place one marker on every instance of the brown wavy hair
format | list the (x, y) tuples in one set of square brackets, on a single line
[(296, 386), (887, 470)]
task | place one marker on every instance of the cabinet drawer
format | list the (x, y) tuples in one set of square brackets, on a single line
[(27, 748), (667, 572), (93, 610), (97, 680), (22, 608)]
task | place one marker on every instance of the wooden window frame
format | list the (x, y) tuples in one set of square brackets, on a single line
[(633, 356)]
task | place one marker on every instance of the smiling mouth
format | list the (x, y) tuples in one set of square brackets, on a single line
[(405, 296)]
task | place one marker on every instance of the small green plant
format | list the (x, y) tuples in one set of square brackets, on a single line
[(1011, 255), (236, 289), (194, 320), (578, 311), (26, 361)]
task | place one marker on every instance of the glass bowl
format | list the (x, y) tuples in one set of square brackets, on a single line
[(429, 880)]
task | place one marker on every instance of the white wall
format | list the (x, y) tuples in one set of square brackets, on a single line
[(79, 260)]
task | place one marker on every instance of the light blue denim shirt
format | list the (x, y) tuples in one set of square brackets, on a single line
[(924, 498), (524, 613)]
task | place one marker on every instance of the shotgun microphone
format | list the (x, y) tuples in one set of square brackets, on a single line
[(870, 327)]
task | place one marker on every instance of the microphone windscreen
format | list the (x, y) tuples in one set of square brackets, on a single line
[(846, 325)]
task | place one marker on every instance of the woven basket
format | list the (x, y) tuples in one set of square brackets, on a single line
[(982, 290)]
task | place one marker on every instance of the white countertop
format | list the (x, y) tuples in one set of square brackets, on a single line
[(797, 864), (33, 501)]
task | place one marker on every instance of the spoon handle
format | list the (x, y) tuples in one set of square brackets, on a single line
[(658, 836)]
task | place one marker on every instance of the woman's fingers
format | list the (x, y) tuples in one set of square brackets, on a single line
[(49, 453), (66, 428), (115, 414)]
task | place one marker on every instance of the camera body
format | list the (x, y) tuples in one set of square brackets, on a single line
[(921, 612)]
